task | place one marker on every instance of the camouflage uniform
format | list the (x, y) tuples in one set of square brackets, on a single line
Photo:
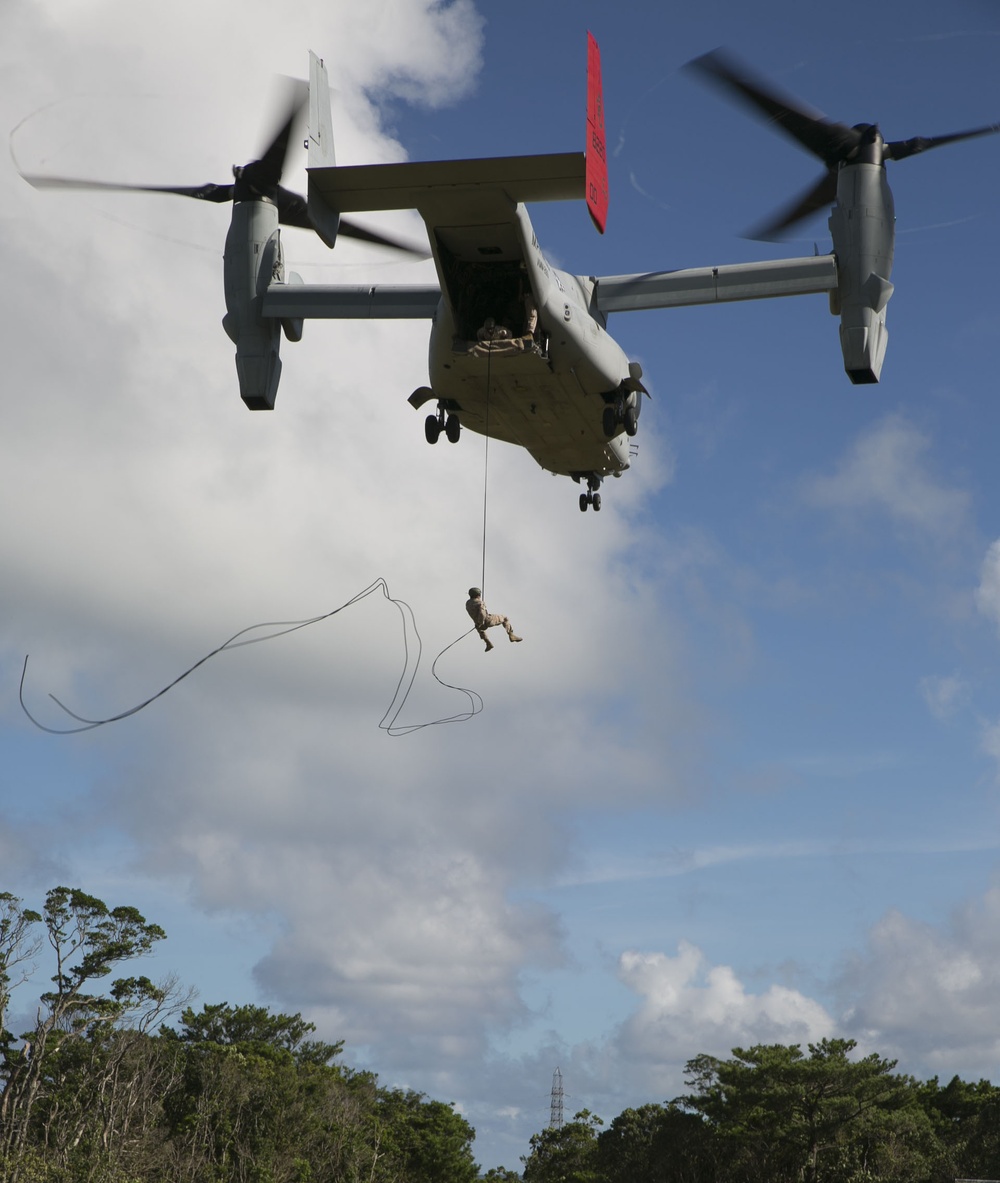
[(483, 619)]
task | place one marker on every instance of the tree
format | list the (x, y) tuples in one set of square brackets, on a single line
[(256, 1027), (655, 1144), (567, 1154), (19, 942), (256, 1099), (87, 940), (105, 1090), (966, 1119), (236, 1109), (425, 1141), (785, 1116)]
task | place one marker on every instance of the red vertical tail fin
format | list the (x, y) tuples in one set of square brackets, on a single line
[(597, 158)]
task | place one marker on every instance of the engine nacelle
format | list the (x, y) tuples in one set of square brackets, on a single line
[(863, 225), (252, 261)]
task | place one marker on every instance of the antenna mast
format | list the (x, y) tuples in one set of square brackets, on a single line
[(556, 1108)]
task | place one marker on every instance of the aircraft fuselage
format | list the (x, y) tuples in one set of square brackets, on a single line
[(519, 352)]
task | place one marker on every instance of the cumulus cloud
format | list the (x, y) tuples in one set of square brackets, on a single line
[(886, 471), (918, 992), (927, 992), (688, 1006)]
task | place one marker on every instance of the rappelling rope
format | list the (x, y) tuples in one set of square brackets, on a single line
[(486, 462), (281, 628)]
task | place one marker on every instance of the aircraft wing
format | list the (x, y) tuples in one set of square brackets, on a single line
[(712, 285), (427, 186), (341, 302), (612, 293)]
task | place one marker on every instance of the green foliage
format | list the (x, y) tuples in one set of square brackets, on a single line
[(426, 1140), (661, 1143), (966, 1120), (254, 1027), (80, 924), (82, 1036), (822, 1118), (19, 942), (565, 1155), (105, 1089)]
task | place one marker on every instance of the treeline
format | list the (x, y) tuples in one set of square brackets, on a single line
[(127, 1083), (121, 1080), (775, 1114)]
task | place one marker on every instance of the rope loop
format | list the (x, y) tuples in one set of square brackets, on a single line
[(389, 721)]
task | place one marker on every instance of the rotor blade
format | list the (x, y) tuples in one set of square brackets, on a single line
[(353, 230), (822, 194), (207, 192), (294, 211), (289, 108), (830, 141), (900, 149)]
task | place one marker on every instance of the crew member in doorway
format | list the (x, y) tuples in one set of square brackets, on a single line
[(483, 619)]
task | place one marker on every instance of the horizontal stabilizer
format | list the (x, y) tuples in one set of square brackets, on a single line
[(417, 184)]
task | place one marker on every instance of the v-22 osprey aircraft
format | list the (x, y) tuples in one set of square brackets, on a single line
[(519, 350)]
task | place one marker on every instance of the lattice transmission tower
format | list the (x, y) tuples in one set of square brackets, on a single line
[(556, 1106)]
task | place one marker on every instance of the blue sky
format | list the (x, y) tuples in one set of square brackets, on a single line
[(739, 783)]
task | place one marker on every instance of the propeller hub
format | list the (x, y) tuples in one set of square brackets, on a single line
[(257, 180), (870, 148), (835, 144)]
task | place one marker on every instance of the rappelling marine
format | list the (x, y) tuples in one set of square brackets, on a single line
[(483, 618)]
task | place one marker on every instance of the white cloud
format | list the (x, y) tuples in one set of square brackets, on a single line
[(927, 993), (944, 694), (988, 591), (688, 1006), (886, 471), (990, 739), (918, 992)]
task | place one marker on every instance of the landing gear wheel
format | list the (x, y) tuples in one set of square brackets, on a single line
[(591, 497), (432, 428), (610, 422), (453, 428), (631, 420)]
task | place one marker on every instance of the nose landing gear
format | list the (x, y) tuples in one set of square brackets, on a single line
[(591, 497)]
